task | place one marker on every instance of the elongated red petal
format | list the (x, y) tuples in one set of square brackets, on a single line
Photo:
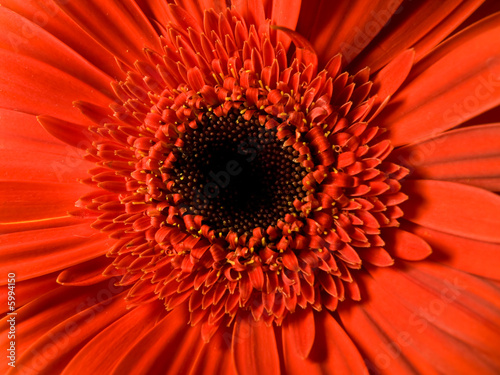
[(122, 28), (469, 155), (46, 48), (299, 331), (215, 356), (333, 351), (254, 348), (48, 16), (423, 323), (38, 252), (461, 305), (29, 290), (26, 201), (479, 258), (85, 273), (345, 27), (253, 11), (390, 78), (73, 134), (453, 208), (472, 85), (68, 340), (118, 338), (405, 245), (466, 143), (52, 92), (285, 13), (55, 306), (429, 15), (164, 348)]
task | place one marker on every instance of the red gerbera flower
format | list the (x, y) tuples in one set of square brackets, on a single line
[(261, 187)]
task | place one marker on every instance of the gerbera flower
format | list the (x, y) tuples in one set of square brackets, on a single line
[(250, 187)]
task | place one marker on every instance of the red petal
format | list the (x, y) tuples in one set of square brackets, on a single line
[(401, 33), (461, 169), (183, 18), (333, 351), (44, 157), (44, 314), (34, 137), (344, 26), (304, 50), (117, 338), (298, 332), (254, 347), (480, 258), (215, 356), (456, 82), (121, 27), (446, 26), (73, 134), (405, 245), (415, 330), (44, 47), (285, 13), (465, 143), (390, 78), (25, 201), (469, 155), (453, 208), (491, 184), (194, 7), (52, 92), (82, 329), (376, 256), (252, 11), (29, 290), (38, 252), (85, 273), (164, 348), (51, 18), (465, 307)]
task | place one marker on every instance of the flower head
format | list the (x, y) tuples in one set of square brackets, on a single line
[(252, 188)]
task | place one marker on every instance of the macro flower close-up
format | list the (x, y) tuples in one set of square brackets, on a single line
[(250, 187)]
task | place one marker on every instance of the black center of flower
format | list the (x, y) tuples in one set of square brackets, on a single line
[(236, 174)]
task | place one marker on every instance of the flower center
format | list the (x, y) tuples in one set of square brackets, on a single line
[(236, 174), (242, 180)]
